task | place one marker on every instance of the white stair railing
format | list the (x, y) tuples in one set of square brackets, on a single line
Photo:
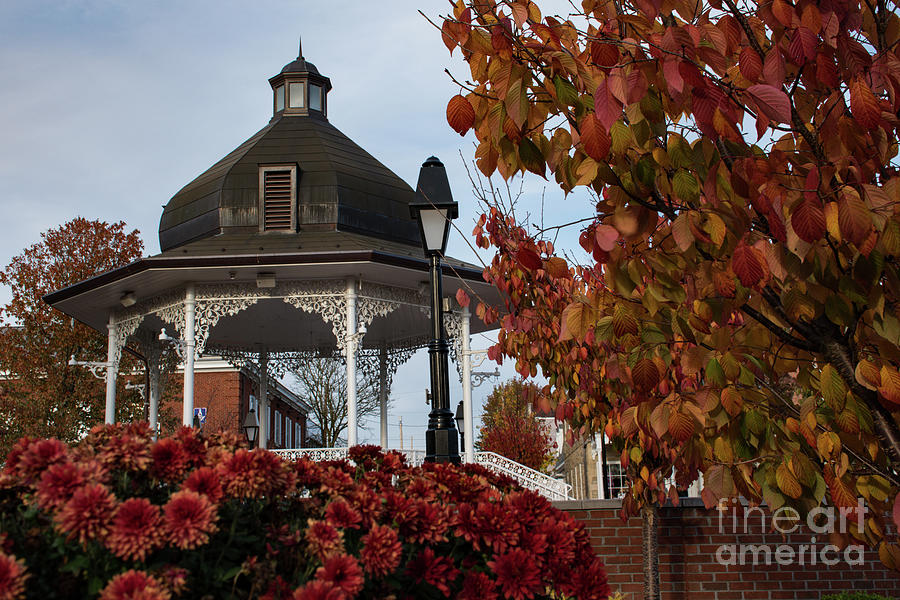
[(528, 478)]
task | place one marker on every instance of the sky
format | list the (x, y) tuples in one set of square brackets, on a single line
[(109, 107)]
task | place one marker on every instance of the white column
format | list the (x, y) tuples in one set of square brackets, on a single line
[(190, 302), (350, 354), (601, 465), (383, 395), (111, 369), (154, 393), (468, 419), (263, 400)]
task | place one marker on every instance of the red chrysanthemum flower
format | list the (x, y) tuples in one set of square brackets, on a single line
[(124, 446), (516, 574), (324, 539), (86, 515), (204, 481), (435, 570), (318, 590), (31, 461), (428, 524), (57, 485), (381, 551), (134, 585), (169, 460), (588, 581), (340, 514), (12, 577), (242, 475), (478, 586), (135, 530), (174, 578), (189, 519), (343, 572)]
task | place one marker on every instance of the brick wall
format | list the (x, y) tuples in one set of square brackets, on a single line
[(694, 541)]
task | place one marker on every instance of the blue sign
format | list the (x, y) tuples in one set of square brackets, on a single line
[(200, 413)]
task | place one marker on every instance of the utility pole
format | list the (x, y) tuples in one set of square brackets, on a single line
[(401, 433)]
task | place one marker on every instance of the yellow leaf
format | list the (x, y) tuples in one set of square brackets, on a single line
[(786, 481), (831, 220)]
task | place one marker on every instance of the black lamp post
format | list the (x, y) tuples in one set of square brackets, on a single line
[(460, 424), (434, 208), (251, 427)]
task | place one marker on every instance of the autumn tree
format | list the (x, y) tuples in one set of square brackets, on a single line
[(740, 313), (322, 383), (41, 394), (511, 428)]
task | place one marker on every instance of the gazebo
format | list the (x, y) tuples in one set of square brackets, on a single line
[(298, 243)]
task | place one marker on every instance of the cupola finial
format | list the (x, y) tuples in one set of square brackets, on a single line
[(300, 49)]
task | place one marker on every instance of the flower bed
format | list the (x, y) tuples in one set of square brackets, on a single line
[(119, 516)]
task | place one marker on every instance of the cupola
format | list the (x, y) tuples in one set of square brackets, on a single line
[(300, 90)]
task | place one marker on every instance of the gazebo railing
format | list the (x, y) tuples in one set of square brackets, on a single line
[(528, 478), (550, 488)]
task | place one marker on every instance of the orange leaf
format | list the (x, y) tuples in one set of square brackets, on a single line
[(594, 138), (462, 297), (732, 401), (867, 375), (681, 426), (787, 482), (890, 385), (556, 267), (853, 218), (460, 114), (623, 322), (645, 375), (863, 104)]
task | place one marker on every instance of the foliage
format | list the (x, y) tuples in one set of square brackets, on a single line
[(855, 596), (511, 429), (741, 315), (43, 396), (323, 385), (192, 516)]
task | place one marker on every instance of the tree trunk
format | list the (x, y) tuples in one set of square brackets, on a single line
[(650, 551)]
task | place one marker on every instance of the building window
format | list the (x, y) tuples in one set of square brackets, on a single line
[(269, 422), (279, 98), (315, 97), (288, 433), (618, 481), (278, 440), (278, 198)]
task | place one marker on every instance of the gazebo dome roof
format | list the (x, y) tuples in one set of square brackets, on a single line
[(332, 184)]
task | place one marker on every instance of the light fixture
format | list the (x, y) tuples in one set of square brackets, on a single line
[(460, 424), (128, 299), (265, 280), (251, 427), (434, 208)]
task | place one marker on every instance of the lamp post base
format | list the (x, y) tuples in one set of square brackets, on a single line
[(442, 445)]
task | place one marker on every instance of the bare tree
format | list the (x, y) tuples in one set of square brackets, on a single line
[(322, 383)]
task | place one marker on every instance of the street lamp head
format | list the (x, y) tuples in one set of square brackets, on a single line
[(460, 416), (251, 426), (433, 206)]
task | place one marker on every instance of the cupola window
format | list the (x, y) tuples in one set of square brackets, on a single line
[(279, 98), (296, 95), (278, 198), (315, 97)]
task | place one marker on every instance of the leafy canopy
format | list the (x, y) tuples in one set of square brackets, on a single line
[(510, 426), (741, 314)]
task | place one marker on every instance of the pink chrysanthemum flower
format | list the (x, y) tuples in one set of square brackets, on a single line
[(343, 572), (136, 529), (12, 577), (189, 519), (516, 574), (86, 515), (381, 551), (205, 481), (134, 585)]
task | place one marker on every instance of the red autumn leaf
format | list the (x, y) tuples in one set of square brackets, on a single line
[(594, 138), (604, 55), (645, 375), (808, 220), (748, 264), (529, 259), (606, 108), (773, 67), (803, 46), (863, 104), (462, 297), (750, 64), (556, 267), (460, 114), (606, 236), (772, 101)]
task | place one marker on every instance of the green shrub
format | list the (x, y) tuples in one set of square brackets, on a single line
[(855, 596)]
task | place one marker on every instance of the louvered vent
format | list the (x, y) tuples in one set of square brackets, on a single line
[(277, 200)]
